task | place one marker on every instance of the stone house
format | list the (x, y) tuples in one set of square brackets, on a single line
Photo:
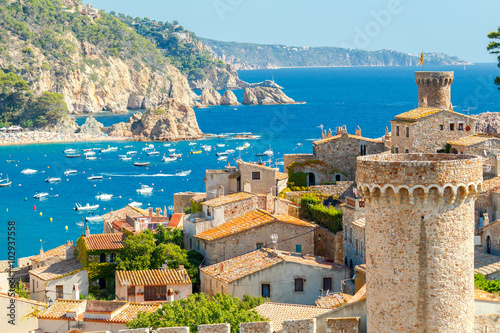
[(130, 218), (60, 253), (482, 145), (91, 315), (284, 277), (333, 158), (56, 281), (252, 231), (490, 237), (353, 221), (152, 285)]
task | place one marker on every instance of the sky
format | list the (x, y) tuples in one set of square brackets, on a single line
[(455, 27)]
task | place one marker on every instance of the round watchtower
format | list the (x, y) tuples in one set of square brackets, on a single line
[(419, 240), (434, 89)]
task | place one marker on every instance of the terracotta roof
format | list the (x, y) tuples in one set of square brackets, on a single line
[(277, 313), (120, 214), (485, 263), (247, 264), (333, 301), (199, 197), (481, 295), (119, 225), (59, 308), (131, 311), (421, 112), (490, 184), (105, 241), (338, 136), (175, 220), (59, 251), (281, 175), (250, 220), (255, 165), (360, 295), (470, 140), (57, 269), (227, 199), (24, 300), (153, 277)]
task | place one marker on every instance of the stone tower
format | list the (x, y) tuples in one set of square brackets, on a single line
[(419, 240), (434, 89)]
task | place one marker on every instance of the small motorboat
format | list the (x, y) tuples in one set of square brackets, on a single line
[(246, 145), (220, 145), (222, 158), (145, 189), (230, 151), (125, 158), (132, 152), (92, 177), (70, 172), (182, 173), (52, 180), (69, 151), (195, 152), (171, 150), (91, 158), (154, 152), (40, 195), (73, 155), (5, 182), (148, 147), (222, 153), (128, 146), (89, 153), (240, 148), (97, 148), (166, 145), (141, 164), (107, 150), (135, 204), (168, 159), (113, 148), (103, 196), (206, 147), (29, 171), (10, 161), (93, 218), (175, 155), (87, 207), (86, 150), (192, 143)]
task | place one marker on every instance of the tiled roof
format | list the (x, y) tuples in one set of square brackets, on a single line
[(470, 140), (333, 301), (338, 136), (485, 263), (59, 308), (57, 269), (175, 220), (120, 214), (490, 184), (154, 277), (417, 113), (58, 251), (132, 310), (227, 199), (199, 197), (255, 165), (281, 175), (24, 300), (247, 264), (481, 295), (277, 313), (105, 241), (360, 295), (250, 220), (119, 225)]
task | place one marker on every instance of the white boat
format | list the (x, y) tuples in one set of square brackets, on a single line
[(93, 218), (168, 159), (52, 180), (141, 164), (154, 152), (230, 151), (89, 153), (147, 148), (240, 148), (103, 196), (145, 189), (246, 145), (171, 150), (73, 155), (192, 143), (207, 147), (87, 149), (269, 152), (221, 145), (91, 158), (183, 173), (97, 148), (135, 204), (175, 155), (79, 207), (222, 153), (107, 150), (132, 152), (125, 158), (29, 171), (120, 156), (222, 158), (40, 195), (113, 148), (69, 151), (5, 182), (165, 145), (129, 146), (70, 172), (92, 177)]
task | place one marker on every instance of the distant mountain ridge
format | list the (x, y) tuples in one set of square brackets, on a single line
[(259, 56)]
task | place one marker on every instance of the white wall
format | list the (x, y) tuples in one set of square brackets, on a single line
[(22, 307), (80, 278), (486, 307), (47, 325)]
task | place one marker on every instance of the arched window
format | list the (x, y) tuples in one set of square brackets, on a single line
[(338, 177)]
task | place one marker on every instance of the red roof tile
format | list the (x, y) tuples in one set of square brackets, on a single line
[(154, 277), (175, 220), (105, 241)]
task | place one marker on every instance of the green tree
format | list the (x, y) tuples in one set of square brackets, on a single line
[(21, 290), (137, 252), (169, 235), (199, 309), (494, 48)]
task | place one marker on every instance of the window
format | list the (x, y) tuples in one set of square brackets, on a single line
[(441, 127), (208, 212), (356, 242), (338, 177), (298, 248), (255, 175), (102, 258), (460, 127), (362, 150), (112, 257), (397, 130), (265, 290), (327, 283), (59, 292), (198, 245), (299, 285), (259, 246), (396, 150), (191, 243), (407, 132), (407, 151), (211, 285), (452, 127), (131, 290)]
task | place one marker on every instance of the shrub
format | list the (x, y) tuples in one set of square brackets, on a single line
[(490, 286), (328, 217), (159, 112)]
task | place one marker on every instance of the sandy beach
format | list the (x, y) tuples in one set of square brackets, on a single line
[(36, 137)]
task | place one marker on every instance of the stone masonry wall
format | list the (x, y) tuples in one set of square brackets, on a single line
[(299, 326), (329, 246), (420, 240), (344, 325), (215, 328), (340, 189), (173, 330), (436, 87), (491, 230), (257, 327), (487, 323), (354, 243), (183, 200)]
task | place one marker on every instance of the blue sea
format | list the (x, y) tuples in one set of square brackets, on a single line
[(368, 97)]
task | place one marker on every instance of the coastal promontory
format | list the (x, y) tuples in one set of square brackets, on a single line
[(265, 96)]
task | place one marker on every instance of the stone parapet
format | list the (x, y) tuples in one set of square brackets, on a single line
[(344, 325), (214, 328), (172, 330), (257, 327), (434, 89), (299, 326)]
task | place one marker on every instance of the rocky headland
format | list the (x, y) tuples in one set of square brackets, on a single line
[(265, 96)]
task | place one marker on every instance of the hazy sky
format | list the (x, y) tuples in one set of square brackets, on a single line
[(455, 27)]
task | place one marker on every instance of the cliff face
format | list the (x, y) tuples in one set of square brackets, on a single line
[(265, 96)]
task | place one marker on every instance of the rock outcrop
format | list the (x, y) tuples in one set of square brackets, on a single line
[(219, 78), (229, 98), (171, 121), (65, 125), (265, 96), (265, 83), (488, 122), (210, 97), (91, 127)]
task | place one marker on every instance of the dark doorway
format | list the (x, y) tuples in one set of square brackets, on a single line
[(311, 179), (488, 244), (102, 284)]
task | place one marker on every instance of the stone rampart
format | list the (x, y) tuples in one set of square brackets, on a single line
[(257, 327), (173, 330), (344, 325), (299, 326), (215, 328)]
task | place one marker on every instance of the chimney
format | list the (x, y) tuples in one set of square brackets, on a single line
[(221, 267), (41, 253), (170, 295), (486, 220), (329, 132), (164, 211), (358, 131), (158, 211), (76, 293), (424, 101), (342, 130), (87, 232), (150, 212), (260, 162)]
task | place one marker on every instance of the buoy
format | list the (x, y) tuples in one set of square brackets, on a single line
[(120, 196), (34, 207), (7, 209), (66, 227), (41, 214), (51, 219)]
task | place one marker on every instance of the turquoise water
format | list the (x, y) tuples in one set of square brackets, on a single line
[(368, 97)]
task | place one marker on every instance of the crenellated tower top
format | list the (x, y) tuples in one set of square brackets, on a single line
[(434, 89)]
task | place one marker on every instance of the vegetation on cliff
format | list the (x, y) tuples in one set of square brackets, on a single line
[(494, 48)]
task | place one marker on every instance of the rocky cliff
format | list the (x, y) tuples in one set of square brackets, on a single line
[(229, 98), (265, 96), (488, 122), (210, 97)]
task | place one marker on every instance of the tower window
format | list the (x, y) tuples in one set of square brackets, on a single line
[(407, 132), (397, 130), (441, 127), (452, 127)]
